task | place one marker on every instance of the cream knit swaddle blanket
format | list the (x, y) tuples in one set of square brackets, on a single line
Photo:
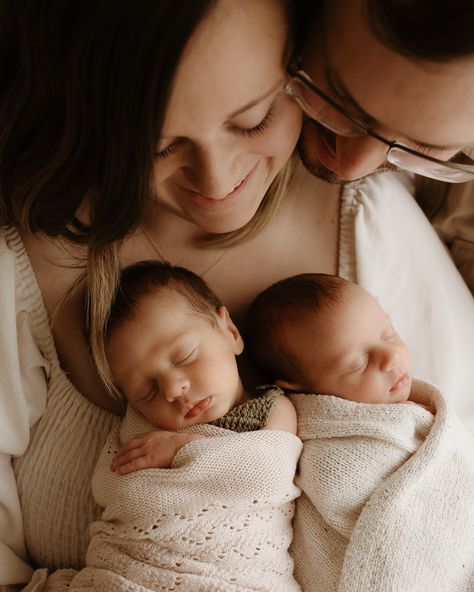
[(387, 501), (218, 520)]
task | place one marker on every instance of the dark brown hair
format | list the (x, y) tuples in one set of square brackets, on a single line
[(83, 94), (286, 301), (84, 87), (147, 278), (436, 30)]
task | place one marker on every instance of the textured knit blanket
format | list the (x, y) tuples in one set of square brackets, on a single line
[(218, 520), (387, 500)]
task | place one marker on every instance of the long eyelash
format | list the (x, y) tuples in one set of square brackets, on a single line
[(259, 128), (426, 149), (337, 97), (252, 132), (166, 152), (150, 395), (186, 358)]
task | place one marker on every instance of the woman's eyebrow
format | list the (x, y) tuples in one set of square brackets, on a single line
[(257, 100)]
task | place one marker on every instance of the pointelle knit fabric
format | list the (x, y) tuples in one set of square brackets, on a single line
[(218, 520)]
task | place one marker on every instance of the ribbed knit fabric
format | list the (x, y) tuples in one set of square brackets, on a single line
[(251, 415), (54, 475), (58, 512)]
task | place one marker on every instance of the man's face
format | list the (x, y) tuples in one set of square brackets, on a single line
[(425, 105)]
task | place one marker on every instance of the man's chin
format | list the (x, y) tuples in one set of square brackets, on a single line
[(320, 171)]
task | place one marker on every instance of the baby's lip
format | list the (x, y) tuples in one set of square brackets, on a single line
[(199, 407), (401, 382)]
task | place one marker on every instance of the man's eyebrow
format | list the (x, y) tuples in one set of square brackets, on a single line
[(338, 88), (259, 99)]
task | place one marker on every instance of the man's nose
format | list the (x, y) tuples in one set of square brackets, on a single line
[(358, 157)]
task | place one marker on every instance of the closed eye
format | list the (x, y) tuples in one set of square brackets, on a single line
[(360, 367), (187, 358), (150, 395), (260, 127), (166, 151)]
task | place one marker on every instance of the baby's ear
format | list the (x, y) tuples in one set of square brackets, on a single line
[(229, 328), (286, 385)]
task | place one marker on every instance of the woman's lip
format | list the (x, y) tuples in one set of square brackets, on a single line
[(215, 205), (401, 382), (199, 407)]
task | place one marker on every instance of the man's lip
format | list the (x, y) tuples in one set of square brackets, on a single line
[(199, 407), (323, 141), (401, 382)]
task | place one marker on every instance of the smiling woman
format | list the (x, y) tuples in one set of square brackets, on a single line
[(223, 142)]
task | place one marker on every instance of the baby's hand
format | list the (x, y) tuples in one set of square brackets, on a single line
[(153, 450)]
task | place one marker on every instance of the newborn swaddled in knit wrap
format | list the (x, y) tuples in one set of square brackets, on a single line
[(387, 499), (218, 520)]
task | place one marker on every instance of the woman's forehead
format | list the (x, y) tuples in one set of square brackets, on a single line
[(235, 56)]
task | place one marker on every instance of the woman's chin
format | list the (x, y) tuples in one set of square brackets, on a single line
[(226, 221)]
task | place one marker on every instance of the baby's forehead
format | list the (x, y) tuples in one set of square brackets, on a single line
[(168, 294), (355, 307), (183, 301)]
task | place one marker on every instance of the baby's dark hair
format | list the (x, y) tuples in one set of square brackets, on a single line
[(281, 303), (146, 278)]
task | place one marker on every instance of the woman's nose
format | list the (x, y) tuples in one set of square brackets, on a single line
[(212, 174), (358, 157)]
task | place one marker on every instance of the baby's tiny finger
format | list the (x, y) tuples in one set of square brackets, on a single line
[(127, 457), (135, 464)]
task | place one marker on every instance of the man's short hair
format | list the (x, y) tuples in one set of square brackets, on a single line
[(436, 30), (285, 302)]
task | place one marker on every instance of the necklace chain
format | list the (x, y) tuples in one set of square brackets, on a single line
[(163, 258)]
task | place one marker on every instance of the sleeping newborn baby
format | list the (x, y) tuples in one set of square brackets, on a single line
[(380, 448), (197, 483), (317, 333)]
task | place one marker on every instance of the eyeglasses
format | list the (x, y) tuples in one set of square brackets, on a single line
[(328, 113)]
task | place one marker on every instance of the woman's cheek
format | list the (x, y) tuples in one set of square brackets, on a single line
[(281, 137), (163, 169), (278, 140)]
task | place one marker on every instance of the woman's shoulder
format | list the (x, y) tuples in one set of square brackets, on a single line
[(56, 264)]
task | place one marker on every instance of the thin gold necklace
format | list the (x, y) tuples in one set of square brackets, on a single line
[(163, 258)]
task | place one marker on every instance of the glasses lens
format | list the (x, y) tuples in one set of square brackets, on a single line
[(427, 168), (321, 111)]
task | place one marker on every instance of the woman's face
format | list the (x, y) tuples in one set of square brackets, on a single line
[(229, 128)]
